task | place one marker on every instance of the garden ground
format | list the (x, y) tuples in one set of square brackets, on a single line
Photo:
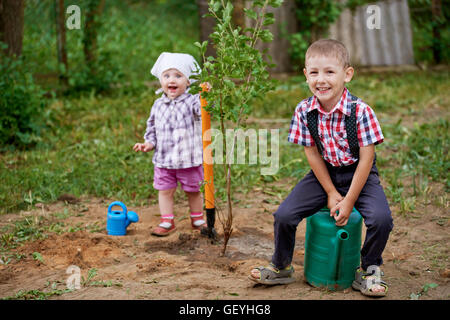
[(186, 265)]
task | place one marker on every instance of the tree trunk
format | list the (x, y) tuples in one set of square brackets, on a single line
[(94, 10), (436, 13), (238, 13), (11, 25), (61, 39), (278, 49), (207, 25)]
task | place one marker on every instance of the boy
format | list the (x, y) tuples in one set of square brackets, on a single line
[(342, 177)]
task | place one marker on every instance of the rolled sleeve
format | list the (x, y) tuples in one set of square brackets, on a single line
[(299, 132), (369, 129)]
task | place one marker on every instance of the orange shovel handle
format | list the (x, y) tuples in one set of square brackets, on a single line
[(207, 153)]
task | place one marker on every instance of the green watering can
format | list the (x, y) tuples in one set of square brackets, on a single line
[(332, 253)]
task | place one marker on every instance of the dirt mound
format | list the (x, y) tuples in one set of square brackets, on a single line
[(80, 248), (186, 265)]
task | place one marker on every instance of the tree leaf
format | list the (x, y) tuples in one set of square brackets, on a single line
[(251, 14)]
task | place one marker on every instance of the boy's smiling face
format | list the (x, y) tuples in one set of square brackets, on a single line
[(326, 77), (173, 83)]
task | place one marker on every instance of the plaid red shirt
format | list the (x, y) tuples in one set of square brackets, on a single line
[(331, 127)]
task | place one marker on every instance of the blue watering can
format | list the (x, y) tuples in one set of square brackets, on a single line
[(118, 220)]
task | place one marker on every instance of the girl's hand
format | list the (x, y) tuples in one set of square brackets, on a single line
[(206, 86), (144, 147)]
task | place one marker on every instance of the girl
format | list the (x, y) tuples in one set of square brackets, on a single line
[(174, 132)]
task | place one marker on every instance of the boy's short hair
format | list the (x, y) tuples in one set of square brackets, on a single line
[(329, 47)]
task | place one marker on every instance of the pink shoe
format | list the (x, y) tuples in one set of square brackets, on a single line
[(165, 228), (198, 223)]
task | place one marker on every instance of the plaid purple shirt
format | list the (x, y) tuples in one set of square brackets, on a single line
[(331, 127), (175, 129)]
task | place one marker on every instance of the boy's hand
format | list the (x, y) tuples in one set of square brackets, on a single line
[(334, 198), (345, 208), (144, 147)]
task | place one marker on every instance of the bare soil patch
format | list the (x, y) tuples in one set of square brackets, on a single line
[(186, 265)]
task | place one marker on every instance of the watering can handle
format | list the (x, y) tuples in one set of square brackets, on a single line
[(117, 203)]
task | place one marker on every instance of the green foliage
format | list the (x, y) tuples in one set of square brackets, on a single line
[(427, 150), (423, 291), (314, 17), (36, 294), (21, 105), (86, 150), (238, 74), (130, 36), (22, 230), (88, 147), (98, 77), (423, 23)]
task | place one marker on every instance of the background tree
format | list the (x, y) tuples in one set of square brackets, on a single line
[(437, 22), (11, 25), (279, 48), (94, 10), (61, 40), (206, 25)]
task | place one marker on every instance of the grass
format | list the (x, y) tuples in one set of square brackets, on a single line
[(87, 147), (38, 294), (133, 33)]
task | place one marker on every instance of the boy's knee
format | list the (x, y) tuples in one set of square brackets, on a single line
[(382, 221), (282, 216)]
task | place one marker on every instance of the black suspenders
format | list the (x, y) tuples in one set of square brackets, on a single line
[(350, 127)]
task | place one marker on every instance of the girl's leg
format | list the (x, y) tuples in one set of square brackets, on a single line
[(195, 200), (196, 207), (190, 180), (167, 224), (165, 200)]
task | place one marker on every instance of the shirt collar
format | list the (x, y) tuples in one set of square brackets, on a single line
[(180, 98), (343, 105)]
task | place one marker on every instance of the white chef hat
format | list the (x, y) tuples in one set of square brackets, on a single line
[(183, 62)]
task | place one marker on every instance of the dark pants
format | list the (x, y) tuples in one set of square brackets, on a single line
[(308, 197)]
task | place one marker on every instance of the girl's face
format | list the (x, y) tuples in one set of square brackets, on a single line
[(173, 83)]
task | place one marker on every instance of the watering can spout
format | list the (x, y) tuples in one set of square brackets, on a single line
[(341, 235), (131, 217)]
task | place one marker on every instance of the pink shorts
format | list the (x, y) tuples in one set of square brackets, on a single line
[(189, 178)]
